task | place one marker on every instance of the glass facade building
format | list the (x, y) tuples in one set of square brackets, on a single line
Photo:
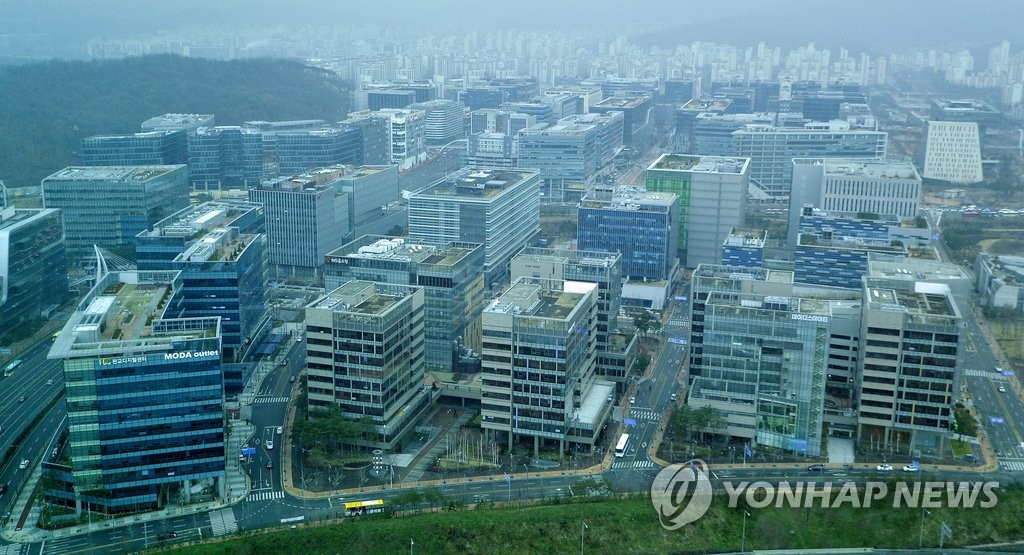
[(33, 268), (225, 157), (302, 151), (155, 148), (539, 358), (109, 205), (637, 224), (145, 398), (220, 249), (498, 208), (364, 353), (451, 276), (306, 217)]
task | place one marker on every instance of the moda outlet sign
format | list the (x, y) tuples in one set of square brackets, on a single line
[(682, 493)]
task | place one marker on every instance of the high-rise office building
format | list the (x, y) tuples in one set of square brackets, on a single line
[(219, 248), (145, 397), (492, 150), (712, 194), (910, 348), (188, 123), (373, 136), (108, 206), (637, 123), (759, 356), (616, 352), (225, 157), (407, 135), (539, 353), (771, 149), (565, 154), (638, 224), (445, 121), (882, 187), (364, 354), (155, 148), (369, 190), (307, 217), (952, 152), (451, 276), (302, 151), (389, 98), (498, 208), (33, 269), (745, 248)]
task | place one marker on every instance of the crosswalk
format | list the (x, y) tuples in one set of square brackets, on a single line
[(223, 522), (975, 373), (642, 414), (261, 400), (633, 464), (1012, 466), (265, 495)]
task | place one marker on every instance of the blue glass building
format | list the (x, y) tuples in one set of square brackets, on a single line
[(145, 398), (641, 225), (226, 156), (154, 148), (219, 248)]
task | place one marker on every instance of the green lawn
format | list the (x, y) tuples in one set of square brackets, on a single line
[(631, 526)]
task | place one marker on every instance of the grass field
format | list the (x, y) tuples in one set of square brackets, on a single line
[(631, 526)]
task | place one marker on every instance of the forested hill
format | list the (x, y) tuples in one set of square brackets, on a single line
[(46, 109)]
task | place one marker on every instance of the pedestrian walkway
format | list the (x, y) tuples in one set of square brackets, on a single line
[(633, 464), (265, 495), (428, 459), (223, 522), (644, 414), (265, 400), (1012, 465), (992, 375)]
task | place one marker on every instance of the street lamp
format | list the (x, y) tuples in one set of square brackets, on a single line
[(583, 527), (743, 540), (920, 537)]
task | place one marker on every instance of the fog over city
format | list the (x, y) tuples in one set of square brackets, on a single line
[(870, 25)]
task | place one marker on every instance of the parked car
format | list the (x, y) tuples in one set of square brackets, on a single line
[(280, 430)]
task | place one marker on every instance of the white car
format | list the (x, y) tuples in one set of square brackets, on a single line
[(884, 468), (911, 468), (1002, 389), (23, 465), (632, 399), (280, 430)]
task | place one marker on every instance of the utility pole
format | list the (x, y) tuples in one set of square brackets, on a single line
[(583, 528), (743, 540)]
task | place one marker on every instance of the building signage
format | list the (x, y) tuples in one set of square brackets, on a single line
[(122, 360), (809, 318), (335, 260), (183, 355)]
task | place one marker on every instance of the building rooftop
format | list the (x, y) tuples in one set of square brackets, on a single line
[(195, 221), (312, 181), (374, 247), (913, 269), (526, 297), (742, 273), (476, 183), (217, 130), (113, 174), (360, 297), (714, 105), (123, 313), (562, 127), (701, 164), (143, 134), (565, 256), (862, 167), (11, 217), (177, 121), (927, 300), (622, 103), (894, 246), (754, 238), (627, 197)]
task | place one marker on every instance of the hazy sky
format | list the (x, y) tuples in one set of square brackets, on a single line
[(896, 23)]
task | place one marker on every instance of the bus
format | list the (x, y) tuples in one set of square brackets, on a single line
[(620, 447), (359, 508), (9, 369)]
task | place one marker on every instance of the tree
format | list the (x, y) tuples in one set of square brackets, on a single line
[(641, 363), (646, 321), (686, 420)]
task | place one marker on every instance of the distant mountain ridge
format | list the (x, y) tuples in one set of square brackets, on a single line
[(46, 109)]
